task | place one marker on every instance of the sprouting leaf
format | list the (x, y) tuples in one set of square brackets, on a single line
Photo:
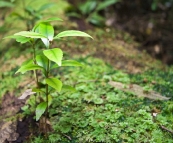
[(36, 27), (52, 19), (68, 88), (40, 109), (29, 10), (71, 63), (72, 33), (46, 42), (11, 36), (96, 19), (47, 30), (42, 61), (29, 61), (98, 101), (19, 39), (28, 67), (26, 94), (54, 55), (54, 83), (25, 108), (22, 39), (6, 4), (30, 34), (37, 90), (49, 100), (103, 5), (45, 6), (87, 7), (68, 63)]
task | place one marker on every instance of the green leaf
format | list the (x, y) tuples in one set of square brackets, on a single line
[(29, 10), (6, 4), (154, 6), (10, 37), (29, 61), (98, 101), (47, 30), (40, 109), (24, 108), (103, 5), (68, 88), (96, 19), (72, 33), (42, 61), (28, 67), (49, 100), (54, 55), (22, 39), (74, 14), (36, 27), (87, 7), (19, 39), (71, 63), (30, 34), (37, 90), (45, 6), (52, 19), (54, 83), (67, 63)]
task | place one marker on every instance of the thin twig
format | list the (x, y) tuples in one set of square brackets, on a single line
[(166, 129), (67, 136), (94, 80)]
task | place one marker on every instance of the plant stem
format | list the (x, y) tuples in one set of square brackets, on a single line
[(35, 71), (47, 93), (34, 59)]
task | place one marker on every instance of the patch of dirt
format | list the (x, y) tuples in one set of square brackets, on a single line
[(12, 128)]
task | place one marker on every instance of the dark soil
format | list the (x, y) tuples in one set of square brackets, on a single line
[(14, 129)]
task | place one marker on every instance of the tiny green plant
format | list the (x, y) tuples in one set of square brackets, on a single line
[(29, 14), (91, 10), (45, 61)]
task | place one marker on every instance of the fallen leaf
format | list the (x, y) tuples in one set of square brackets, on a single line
[(137, 90), (26, 94)]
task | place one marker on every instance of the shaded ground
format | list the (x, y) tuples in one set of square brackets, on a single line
[(14, 129), (114, 46), (152, 28)]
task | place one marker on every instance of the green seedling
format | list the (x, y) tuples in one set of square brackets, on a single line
[(90, 10), (49, 59), (29, 14)]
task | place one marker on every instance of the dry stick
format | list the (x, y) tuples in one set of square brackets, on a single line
[(166, 129), (94, 80), (67, 136)]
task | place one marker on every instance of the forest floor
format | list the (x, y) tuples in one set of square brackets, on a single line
[(110, 48)]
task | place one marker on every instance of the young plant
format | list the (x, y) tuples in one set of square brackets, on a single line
[(29, 14), (90, 10), (49, 59)]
